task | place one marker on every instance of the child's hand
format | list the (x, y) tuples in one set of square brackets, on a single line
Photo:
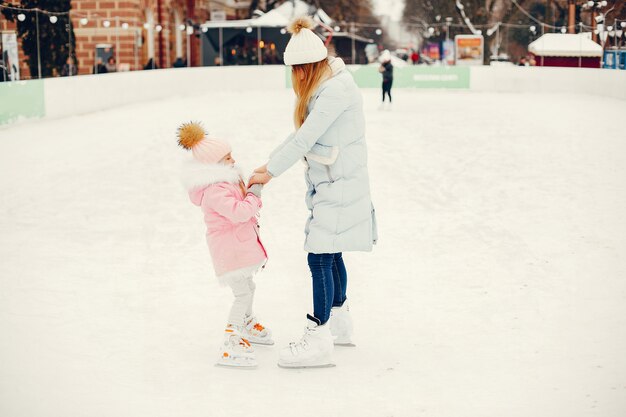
[(259, 178)]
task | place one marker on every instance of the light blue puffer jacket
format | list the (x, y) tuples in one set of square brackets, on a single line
[(332, 143)]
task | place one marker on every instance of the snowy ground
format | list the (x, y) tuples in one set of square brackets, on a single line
[(498, 287)]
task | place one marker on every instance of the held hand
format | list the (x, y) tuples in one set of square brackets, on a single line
[(256, 189), (259, 178), (261, 169)]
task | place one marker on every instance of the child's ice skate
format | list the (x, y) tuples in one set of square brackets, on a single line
[(255, 332), (236, 351), (314, 350), (341, 325)]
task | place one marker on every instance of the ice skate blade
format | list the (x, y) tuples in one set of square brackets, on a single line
[(240, 367), (261, 343), (288, 366), (349, 344)]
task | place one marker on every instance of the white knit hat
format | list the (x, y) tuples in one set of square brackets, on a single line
[(304, 46)]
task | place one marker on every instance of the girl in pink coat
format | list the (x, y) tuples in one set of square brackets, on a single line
[(230, 213)]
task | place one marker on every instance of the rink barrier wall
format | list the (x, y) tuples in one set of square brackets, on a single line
[(67, 96), (21, 100), (368, 76), (512, 79)]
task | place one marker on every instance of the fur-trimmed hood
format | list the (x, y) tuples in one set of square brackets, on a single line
[(195, 176)]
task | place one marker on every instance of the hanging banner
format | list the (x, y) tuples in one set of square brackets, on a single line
[(10, 55), (469, 49), (431, 50), (448, 52)]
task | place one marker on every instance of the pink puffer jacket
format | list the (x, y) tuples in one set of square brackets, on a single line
[(230, 216)]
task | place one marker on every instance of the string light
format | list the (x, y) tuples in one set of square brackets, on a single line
[(21, 17), (53, 19)]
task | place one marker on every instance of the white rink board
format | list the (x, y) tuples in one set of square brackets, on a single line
[(85, 94)]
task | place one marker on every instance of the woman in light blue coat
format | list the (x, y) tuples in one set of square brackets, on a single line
[(330, 138)]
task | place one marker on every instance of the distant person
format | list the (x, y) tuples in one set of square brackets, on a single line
[(69, 69), (111, 65), (522, 62), (3, 73), (415, 57), (386, 69), (179, 63), (150, 65), (99, 68)]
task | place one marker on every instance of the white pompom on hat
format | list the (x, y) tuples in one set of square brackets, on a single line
[(305, 46), (192, 136)]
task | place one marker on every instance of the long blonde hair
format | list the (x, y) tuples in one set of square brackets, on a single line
[(314, 74)]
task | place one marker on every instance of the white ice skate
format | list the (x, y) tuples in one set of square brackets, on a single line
[(256, 333), (314, 350), (341, 325), (236, 351)]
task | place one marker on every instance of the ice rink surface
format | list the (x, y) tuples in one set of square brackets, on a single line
[(498, 287)]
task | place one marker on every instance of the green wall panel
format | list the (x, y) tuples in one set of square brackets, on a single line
[(21, 99)]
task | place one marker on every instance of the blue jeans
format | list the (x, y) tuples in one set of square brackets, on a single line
[(329, 283)]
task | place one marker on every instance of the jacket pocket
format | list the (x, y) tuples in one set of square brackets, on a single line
[(323, 154), (374, 226)]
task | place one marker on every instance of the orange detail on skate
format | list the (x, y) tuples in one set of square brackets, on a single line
[(225, 354), (259, 327)]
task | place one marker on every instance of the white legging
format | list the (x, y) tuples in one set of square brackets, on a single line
[(243, 290)]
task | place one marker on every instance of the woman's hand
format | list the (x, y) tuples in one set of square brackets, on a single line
[(261, 169), (259, 178)]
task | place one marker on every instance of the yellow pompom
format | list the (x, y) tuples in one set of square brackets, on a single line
[(300, 22), (190, 134)]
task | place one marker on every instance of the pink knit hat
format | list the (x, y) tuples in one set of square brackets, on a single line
[(192, 136)]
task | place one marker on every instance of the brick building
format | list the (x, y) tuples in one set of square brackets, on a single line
[(136, 30), (133, 31), (6, 26)]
